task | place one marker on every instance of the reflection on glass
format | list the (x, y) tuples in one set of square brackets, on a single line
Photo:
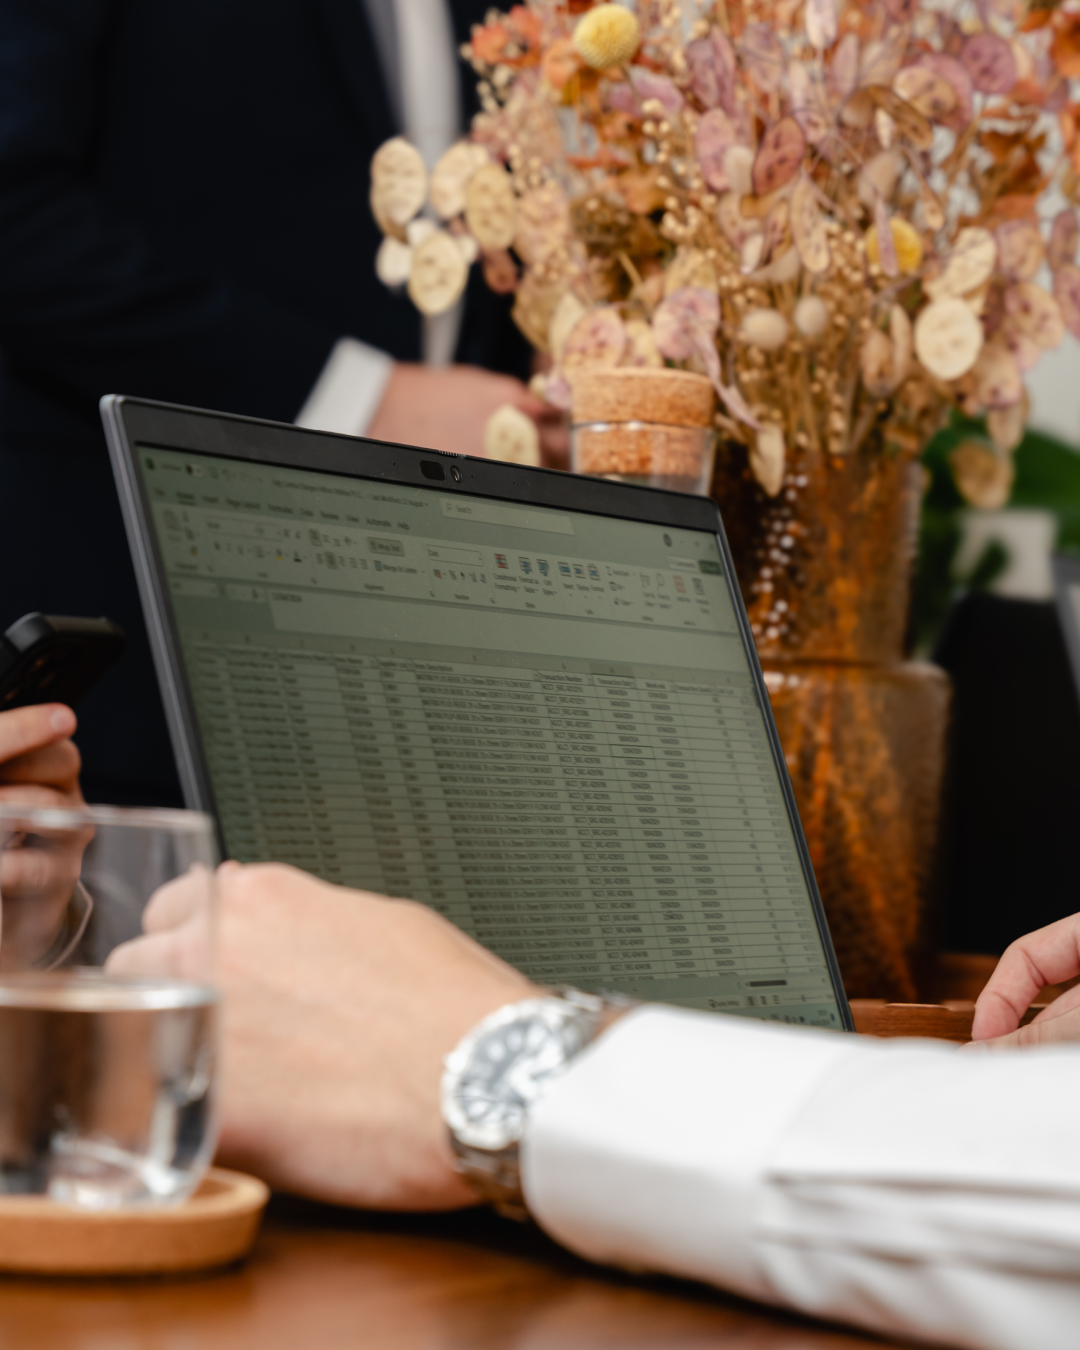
[(106, 1082)]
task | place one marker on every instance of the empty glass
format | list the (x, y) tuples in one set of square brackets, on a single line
[(106, 1081)]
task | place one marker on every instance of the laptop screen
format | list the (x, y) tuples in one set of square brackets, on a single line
[(542, 723)]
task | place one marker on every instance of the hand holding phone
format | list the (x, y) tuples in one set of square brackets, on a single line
[(55, 659)]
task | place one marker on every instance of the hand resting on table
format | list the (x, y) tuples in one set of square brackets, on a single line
[(339, 1006), (1050, 955)]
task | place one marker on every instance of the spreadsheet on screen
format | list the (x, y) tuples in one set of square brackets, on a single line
[(542, 723)]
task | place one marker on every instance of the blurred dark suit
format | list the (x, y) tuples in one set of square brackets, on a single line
[(1012, 805), (183, 215)]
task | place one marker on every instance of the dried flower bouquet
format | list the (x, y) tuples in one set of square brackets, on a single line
[(851, 215)]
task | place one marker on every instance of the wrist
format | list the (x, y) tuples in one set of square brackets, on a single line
[(500, 1069)]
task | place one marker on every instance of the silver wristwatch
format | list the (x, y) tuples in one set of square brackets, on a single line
[(499, 1070)]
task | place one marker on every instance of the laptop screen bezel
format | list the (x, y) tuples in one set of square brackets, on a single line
[(131, 422)]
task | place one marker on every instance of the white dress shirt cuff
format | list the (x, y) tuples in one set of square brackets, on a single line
[(652, 1150), (349, 389)]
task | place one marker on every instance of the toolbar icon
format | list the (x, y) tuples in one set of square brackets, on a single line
[(501, 563)]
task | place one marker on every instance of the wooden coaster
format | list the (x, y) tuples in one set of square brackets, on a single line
[(216, 1226)]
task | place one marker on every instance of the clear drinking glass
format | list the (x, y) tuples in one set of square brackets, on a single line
[(106, 1081)]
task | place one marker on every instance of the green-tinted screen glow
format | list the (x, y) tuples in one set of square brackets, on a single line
[(541, 723)]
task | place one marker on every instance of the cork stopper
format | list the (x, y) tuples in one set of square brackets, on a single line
[(674, 398)]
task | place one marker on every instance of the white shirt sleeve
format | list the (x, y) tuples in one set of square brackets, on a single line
[(349, 389), (905, 1186)]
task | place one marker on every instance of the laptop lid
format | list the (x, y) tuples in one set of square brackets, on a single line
[(527, 699)]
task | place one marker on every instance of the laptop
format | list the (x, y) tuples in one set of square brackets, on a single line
[(527, 699), (1066, 570)]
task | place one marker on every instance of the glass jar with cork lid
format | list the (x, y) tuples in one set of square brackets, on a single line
[(645, 426)]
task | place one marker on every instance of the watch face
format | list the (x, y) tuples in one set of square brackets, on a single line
[(505, 1072)]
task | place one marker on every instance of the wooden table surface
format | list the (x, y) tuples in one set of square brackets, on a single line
[(325, 1279)]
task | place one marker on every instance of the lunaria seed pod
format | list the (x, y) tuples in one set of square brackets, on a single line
[(398, 184), (568, 314), (451, 175), (767, 455), (811, 316), (512, 436), (438, 274), (984, 478), (879, 176), (968, 265), (393, 262), (903, 341), (877, 364), (764, 328), (948, 338), (739, 169), (1007, 425), (996, 377)]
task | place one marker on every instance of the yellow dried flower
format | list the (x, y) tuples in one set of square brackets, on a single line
[(906, 241), (607, 36)]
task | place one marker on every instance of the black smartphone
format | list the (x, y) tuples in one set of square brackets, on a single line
[(51, 658)]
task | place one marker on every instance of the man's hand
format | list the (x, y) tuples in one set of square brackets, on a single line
[(38, 762), (39, 766), (339, 1007), (1048, 956), (448, 408)]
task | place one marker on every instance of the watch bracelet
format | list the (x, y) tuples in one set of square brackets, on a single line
[(496, 1177)]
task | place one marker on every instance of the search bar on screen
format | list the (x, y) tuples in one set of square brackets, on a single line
[(515, 517)]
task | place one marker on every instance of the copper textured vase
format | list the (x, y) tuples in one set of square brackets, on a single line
[(825, 568)]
